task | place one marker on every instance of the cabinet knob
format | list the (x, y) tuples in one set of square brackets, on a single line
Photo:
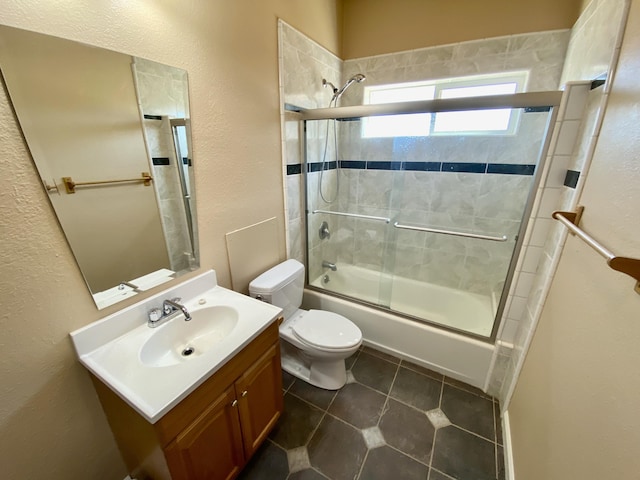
[(234, 403), (244, 394)]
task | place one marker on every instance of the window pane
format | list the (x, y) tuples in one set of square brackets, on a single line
[(401, 94), (479, 90), (473, 121), (414, 125), (411, 125)]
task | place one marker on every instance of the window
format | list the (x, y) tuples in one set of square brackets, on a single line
[(473, 122)]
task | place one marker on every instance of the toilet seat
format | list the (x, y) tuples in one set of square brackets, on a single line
[(327, 331)]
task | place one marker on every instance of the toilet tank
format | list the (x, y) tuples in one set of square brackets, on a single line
[(281, 286)]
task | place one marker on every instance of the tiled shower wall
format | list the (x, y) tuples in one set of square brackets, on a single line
[(303, 65), (488, 203), (439, 182), (162, 93), (542, 54), (593, 52)]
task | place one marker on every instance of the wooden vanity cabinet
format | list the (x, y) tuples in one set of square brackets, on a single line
[(213, 432), (211, 447)]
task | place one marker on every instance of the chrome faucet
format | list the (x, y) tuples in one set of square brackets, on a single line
[(329, 265), (170, 309), (170, 306)]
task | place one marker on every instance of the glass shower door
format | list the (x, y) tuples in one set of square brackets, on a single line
[(425, 226)]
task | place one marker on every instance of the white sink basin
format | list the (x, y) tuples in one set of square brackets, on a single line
[(146, 366), (179, 341)]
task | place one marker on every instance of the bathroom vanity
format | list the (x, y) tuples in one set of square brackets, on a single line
[(195, 417)]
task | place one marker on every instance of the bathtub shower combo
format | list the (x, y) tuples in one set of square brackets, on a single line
[(415, 236)]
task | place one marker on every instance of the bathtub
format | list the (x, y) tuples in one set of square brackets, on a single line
[(447, 352)]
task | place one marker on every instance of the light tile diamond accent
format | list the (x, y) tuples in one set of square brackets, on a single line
[(298, 459), (373, 437), (437, 418), (350, 377)]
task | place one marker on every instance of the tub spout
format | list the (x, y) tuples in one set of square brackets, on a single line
[(329, 265)]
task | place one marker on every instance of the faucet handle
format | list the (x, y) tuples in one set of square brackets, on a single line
[(168, 309), (155, 314)]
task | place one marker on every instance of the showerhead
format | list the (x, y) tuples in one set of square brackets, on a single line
[(358, 77), (337, 93)]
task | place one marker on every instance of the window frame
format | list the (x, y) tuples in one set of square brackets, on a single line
[(520, 78)]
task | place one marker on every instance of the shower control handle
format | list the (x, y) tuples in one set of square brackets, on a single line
[(324, 231)]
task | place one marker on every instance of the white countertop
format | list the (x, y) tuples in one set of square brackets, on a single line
[(110, 348)]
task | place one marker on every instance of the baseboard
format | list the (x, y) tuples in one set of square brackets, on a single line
[(508, 447)]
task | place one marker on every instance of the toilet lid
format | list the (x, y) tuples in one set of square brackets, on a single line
[(327, 330)]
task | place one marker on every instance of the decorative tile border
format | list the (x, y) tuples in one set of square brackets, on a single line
[(455, 167), (571, 179)]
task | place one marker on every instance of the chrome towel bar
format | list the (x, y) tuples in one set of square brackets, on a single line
[(354, 215), (503, 238), (629, 266)]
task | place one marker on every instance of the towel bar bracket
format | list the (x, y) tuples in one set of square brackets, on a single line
[(626, 265), (574, 217)]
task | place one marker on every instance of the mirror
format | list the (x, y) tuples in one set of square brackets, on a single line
[(109, 134)]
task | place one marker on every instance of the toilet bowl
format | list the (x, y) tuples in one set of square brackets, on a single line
[(314, 343)]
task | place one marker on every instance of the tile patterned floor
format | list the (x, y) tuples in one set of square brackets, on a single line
[(393, 420)]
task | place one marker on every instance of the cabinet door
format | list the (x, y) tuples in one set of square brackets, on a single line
[(259, 391), (211, 447)]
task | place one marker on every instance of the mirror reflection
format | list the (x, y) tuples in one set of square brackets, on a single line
[(109, 134)]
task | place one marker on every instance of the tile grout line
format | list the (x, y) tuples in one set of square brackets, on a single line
[(388, 395), (471, 433), (435, 433), (364, 460), (495, 437), (396, 449)]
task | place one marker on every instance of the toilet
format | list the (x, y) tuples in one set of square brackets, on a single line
[(314, 343)]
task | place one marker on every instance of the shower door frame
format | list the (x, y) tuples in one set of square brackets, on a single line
[(539, 101)]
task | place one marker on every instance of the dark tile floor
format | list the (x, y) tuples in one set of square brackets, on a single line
[(393, 420)]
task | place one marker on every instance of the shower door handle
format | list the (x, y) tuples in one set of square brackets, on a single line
[(503, 238)]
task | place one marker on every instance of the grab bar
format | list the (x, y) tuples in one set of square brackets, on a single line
[(354, 215), (626, 265), (451, 232)]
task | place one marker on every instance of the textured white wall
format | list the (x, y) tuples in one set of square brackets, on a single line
[(51, 424), (574, 410)]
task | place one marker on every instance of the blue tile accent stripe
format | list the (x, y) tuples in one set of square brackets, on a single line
[(295, 169), (510, 169), (455, 167), (422, 166), (316, 167), (355, 164), (384, 165), (571, 178), (464, 167)]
